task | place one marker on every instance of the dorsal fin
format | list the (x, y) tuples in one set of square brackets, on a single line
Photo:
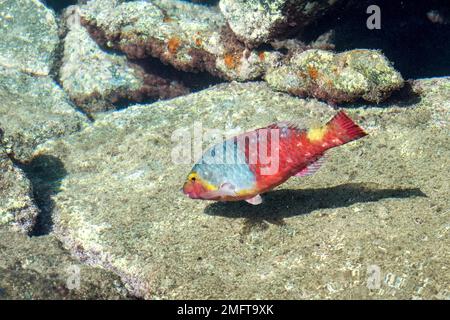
[(285, 124), (311, 168)]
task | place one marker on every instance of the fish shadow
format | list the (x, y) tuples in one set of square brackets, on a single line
[(281, 204)]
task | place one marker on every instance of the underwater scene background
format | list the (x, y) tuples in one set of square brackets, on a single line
[(106, 104)]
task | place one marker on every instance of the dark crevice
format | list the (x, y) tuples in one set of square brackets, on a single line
[(204, 2), (45, 173), (418, 44), (58, 54), (194, 82), (124, 103), (59, 5)]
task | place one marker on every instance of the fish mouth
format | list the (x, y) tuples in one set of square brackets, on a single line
[(189, 190), (195, 189), (187, 194), (192, 195)]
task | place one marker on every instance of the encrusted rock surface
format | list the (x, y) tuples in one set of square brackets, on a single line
[(260, 21), (337, 77), (191, 37), (96, 79), (33, 110)]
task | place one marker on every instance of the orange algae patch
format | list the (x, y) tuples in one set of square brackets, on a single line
[(173, 45), (313, 72), (231, 61), (198, 42), (261, 56)]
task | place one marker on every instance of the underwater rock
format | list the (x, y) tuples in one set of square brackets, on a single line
[(33, 110), (38, 268), (91, 76), (190, 37), (336, 78), (16, 205), (381, 200), (29, 36), (261, 21), (95, 79)]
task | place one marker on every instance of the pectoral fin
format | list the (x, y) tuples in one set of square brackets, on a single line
[(255, 200), (225, 190)]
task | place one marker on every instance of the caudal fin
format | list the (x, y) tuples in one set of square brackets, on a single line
[(341, 129)]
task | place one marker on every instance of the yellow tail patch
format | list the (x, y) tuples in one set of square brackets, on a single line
[(317, 134)]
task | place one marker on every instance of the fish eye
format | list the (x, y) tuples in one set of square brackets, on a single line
[(192, 177)]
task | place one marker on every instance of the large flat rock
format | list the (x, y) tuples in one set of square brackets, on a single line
[(380, 203)]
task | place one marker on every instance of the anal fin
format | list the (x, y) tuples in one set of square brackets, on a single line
[(312, 168), (255, 200)]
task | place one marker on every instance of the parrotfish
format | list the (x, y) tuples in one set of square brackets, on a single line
[(250, 164)]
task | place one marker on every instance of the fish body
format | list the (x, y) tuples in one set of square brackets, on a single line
[(247, 165)]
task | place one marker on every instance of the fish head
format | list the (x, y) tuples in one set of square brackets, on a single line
[(195, 187)]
